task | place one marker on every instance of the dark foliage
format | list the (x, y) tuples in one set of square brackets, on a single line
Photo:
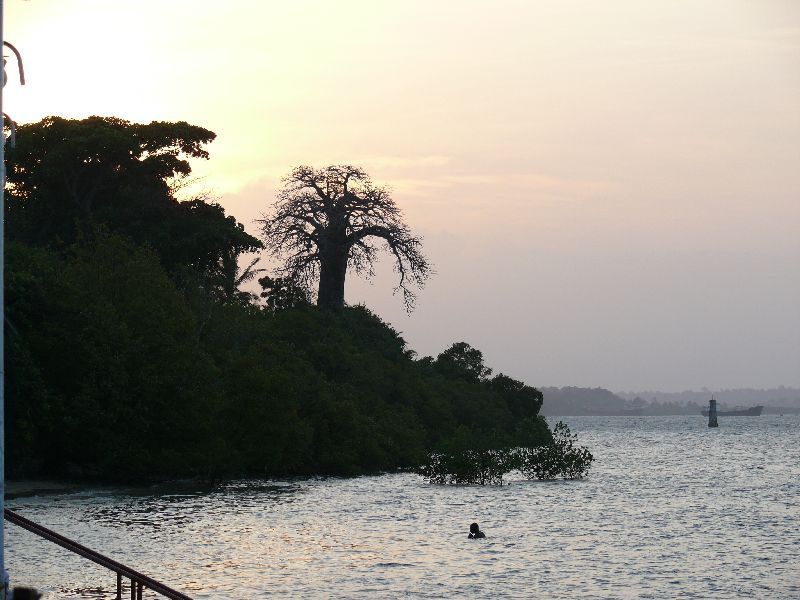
[(114, 372), (462, 361), (470, 458), (282, 293), (103, 369), (476, 462), (67, 177), (132, 354), (561, 458)]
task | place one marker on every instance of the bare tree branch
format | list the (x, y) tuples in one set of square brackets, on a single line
[(326, 221)]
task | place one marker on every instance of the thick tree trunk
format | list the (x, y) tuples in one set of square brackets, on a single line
[(332, 271)]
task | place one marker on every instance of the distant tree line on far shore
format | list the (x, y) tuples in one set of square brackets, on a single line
[(576, 401)]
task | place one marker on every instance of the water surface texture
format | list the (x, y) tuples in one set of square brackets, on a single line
[(671, 509)]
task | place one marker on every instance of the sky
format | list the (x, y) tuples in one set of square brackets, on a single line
[(609, 191)]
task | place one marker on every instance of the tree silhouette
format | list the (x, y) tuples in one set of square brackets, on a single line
[(67, 177), (281, 293), (104, 168), (326, 221), (463, 361)]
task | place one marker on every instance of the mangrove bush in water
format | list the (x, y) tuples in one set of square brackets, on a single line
[(560, 458), (469, 456)]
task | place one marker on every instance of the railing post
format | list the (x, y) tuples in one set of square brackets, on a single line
[(137, 579)]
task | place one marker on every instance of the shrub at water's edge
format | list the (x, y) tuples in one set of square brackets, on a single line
[(559, 459), (475, 463), (469, 456)]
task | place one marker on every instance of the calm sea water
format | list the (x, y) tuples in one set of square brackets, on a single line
[(671, 509)]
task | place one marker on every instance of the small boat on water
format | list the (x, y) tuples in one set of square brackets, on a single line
[(753, 411)]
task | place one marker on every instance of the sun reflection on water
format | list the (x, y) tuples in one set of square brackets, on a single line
[(665, 500)]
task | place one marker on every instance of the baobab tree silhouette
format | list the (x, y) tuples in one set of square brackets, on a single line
[(326, 221)]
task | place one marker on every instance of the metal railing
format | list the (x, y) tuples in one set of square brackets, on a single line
[(139, 581)]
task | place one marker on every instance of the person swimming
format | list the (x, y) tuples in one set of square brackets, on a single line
[(475, 532)]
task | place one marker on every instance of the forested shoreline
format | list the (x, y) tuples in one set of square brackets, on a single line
[(132, 353)]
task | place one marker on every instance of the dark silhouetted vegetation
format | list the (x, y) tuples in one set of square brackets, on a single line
[(326, 221), (560, 458), (66, 177), (462, 462), (133, 354)]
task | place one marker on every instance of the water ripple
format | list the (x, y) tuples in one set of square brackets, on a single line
[(671, 510)]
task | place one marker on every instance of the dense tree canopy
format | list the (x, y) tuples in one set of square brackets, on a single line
[(66, 176), (282, 293), (326, 221), (104, 369), (132, 353), (462, 360), (102, 167), (105, 349)]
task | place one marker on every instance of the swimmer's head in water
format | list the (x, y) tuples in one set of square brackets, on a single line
[(474, 528)]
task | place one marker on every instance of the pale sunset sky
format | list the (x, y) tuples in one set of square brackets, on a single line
[(609, 191)]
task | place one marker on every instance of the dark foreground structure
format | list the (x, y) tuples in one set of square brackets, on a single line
[(138, 580)]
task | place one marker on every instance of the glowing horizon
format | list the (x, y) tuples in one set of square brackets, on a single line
[(622, 179)]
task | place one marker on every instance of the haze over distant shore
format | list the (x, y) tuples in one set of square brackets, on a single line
[(575, 401)]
